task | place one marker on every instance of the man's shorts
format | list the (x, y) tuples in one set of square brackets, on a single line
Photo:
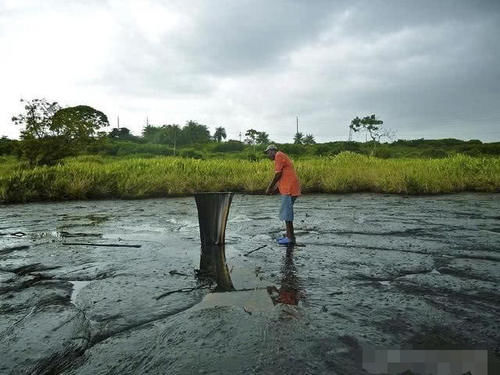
[(286, 210)]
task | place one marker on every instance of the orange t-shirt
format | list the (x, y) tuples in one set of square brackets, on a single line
[(289, 182)]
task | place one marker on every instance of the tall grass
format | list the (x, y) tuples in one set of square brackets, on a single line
[(96, 177), (8, 164)]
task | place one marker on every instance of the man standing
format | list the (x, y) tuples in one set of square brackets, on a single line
[(287, 182)]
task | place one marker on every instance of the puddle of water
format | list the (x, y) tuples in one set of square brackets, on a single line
[(257, 300), (247, 278)]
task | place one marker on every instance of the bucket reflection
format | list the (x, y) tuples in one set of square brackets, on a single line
[(213, 265)]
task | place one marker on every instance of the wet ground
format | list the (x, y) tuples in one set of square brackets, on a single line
[(109, 287)]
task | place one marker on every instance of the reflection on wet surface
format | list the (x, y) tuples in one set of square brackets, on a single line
[(290, 290), (109, 287), (213, 266)]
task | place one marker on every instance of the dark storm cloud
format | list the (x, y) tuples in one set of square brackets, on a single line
[(428, 71), (223, 38), (380, 16), (427, 68), (235, 37)]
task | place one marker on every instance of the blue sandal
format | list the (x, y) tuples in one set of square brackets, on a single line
[(285, 241)]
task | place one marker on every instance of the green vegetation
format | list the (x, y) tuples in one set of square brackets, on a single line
[(8, 164), (52, 133), (419, 148), (89, 177), (63, 154)]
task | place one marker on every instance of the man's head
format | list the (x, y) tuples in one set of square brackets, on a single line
[(271, 151)]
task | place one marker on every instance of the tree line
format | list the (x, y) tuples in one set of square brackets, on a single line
[(50, 133)]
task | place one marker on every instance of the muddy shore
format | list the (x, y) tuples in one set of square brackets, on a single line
[(109, 287)]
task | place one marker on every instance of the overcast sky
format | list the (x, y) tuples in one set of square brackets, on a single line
[(428, 69)]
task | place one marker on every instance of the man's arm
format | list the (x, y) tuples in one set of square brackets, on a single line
[(273, 183)]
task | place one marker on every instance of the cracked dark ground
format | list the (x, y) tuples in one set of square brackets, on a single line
[(108, 287)]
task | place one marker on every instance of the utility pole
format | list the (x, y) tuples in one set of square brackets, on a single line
[(118, 121), (240, 136), (297, 125), (147, 121), (350, 134)]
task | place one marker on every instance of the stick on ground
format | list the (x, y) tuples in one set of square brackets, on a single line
[(254, 250), (98, 244)]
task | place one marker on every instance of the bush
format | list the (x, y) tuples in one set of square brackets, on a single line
[(230, 146), (382, 153), (292, 149), (97, 159), (434, 154), (335, 148), (252, 156), (471, 151), (48, 150), (7, 146), (190, 153), (491, 148), (125, 148)]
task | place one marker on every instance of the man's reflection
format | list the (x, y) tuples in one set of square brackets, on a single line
[(290, 292)]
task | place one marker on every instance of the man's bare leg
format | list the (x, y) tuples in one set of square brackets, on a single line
[(289, 230)]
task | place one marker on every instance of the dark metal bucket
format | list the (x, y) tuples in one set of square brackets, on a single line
[(213, 210)]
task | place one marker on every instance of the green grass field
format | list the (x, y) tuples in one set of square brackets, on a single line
[(89, 177)]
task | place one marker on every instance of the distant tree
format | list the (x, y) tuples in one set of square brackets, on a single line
[(151, 133), (165, 134), (172, 133), (193, 132), (251, 139), (370, 124), (309, 140), (121, 133), (52, 133), (230, 146), (80, 123), (262, 138), (298, 139), (220, 133), (37, 118), (251, 136), (356, 124)]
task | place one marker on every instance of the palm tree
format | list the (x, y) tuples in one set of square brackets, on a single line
[(309, 140), (220, 133), (298, 139)]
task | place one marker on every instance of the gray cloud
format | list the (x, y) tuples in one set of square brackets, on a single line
[(427, 68), (222, 39), (245, 36)]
